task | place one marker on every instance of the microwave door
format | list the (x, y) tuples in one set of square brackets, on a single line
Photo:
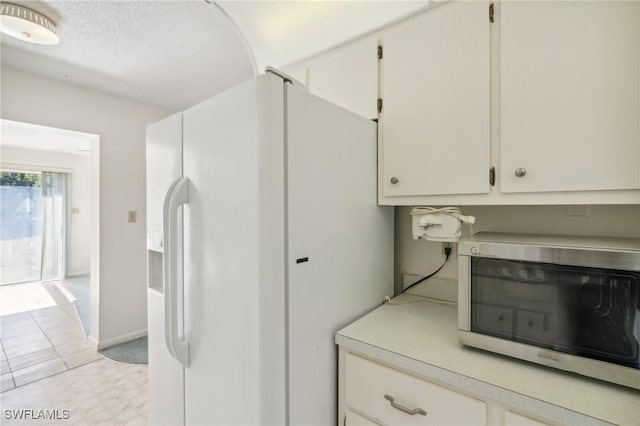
[(582, 311)]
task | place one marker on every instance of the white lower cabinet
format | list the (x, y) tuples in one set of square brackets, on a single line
[(375, 394), (409, 353), (515, 419), (352, 418), (388, 396)]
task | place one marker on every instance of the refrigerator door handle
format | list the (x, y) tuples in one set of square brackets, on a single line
[(165, 265), (177, 195)]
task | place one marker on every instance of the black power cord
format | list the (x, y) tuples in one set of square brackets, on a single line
[(447, 253)]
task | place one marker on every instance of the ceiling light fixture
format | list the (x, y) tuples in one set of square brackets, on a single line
[(27, 25)]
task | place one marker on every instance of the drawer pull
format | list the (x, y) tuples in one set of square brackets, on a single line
[(403, 408)]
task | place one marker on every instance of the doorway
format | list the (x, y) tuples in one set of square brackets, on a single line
[(49, 207)]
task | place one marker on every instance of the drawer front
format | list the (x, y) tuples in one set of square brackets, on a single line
[(355, 419), (515, 419), (369, 388)]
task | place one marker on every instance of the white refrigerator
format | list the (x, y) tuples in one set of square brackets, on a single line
[(264, 239)]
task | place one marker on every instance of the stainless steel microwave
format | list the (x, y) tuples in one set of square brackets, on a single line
[(571, 303)]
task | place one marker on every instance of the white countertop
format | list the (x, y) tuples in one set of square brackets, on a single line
[(421, 338)]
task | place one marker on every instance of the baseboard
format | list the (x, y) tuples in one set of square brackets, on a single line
[(93, 343), (103, 344), (78, 274)]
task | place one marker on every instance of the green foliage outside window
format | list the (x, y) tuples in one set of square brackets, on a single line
[(20, 179)]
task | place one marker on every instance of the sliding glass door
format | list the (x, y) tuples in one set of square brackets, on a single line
[(32, 226), (21, 222)]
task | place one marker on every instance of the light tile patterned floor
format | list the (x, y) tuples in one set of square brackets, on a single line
[(40, 333), (102, 392), (50, 375)]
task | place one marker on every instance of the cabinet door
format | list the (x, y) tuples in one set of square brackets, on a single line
[(570, 96), (348, 77), (435, 92)]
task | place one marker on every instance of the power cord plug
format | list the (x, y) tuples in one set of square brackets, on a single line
[(447, 253)]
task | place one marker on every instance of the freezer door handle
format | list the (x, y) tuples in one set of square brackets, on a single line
[(177, 195)]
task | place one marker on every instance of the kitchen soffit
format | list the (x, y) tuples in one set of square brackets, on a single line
[(283, 32)]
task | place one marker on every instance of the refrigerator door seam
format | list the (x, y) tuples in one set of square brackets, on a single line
[(286, 252)]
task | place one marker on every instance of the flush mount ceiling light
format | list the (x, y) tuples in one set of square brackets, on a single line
[(27, 25)]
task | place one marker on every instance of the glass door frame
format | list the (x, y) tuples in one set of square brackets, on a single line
[(35, 169)]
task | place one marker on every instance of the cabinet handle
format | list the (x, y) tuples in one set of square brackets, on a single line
[(394, 180), (403, 408), (519, 172)]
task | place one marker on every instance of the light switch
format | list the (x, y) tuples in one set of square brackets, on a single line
[(75, 210), (133, 216)]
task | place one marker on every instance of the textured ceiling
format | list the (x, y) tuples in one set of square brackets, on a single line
[(168, 53), (178, 53)]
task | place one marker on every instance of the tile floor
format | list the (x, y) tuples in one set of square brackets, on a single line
[(102, 392), (47, 364), (40, 333)]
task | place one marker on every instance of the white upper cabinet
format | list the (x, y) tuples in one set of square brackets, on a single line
[(547, 95), (348, 76), (435, 119), (570, 96)]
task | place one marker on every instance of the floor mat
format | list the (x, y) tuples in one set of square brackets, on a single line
[(132, 352)]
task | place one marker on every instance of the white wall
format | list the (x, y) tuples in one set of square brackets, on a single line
[(78, 197), (423, 257), (120, 123)]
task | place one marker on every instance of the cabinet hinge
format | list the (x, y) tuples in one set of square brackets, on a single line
[(379, 52), (492, 176), (379, 105), (491, 12)]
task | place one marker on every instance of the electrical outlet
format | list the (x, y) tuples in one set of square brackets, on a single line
[(133, 216), (447, 245)]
